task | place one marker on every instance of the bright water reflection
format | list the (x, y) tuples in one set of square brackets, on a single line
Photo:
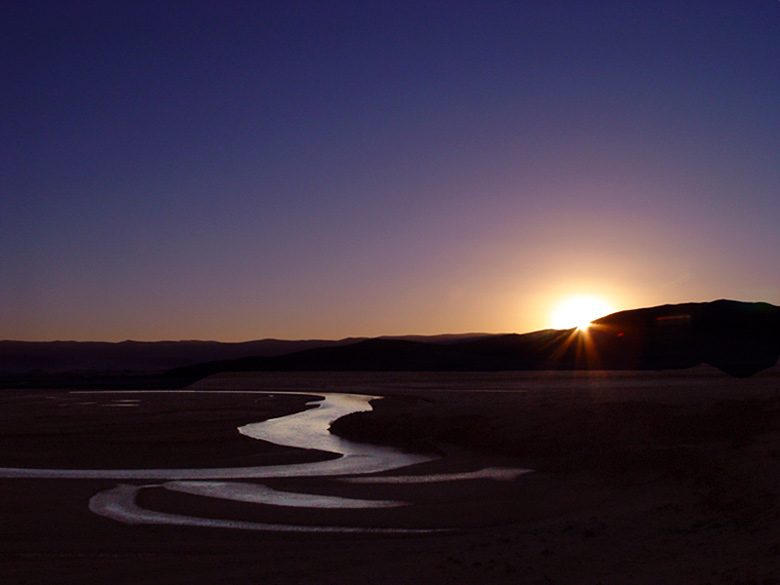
[(308, 429), (495, 473), (256, 493), (119, 504)]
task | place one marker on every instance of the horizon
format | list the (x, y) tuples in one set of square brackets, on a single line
[(359, 337), (325, 171)]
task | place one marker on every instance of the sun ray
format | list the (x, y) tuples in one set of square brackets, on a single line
[(578, 311)]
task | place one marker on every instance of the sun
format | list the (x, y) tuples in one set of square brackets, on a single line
[(579, 311)]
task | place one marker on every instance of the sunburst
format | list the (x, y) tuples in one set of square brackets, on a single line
[(578, 311)]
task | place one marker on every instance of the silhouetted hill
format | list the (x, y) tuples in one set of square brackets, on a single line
[(378, 354), (74, 364), (144, 357), (136, 356), (739, 338)]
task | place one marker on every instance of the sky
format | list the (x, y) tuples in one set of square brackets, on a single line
[(313, 169)]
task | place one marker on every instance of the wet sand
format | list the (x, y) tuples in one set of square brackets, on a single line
[(650, 477)]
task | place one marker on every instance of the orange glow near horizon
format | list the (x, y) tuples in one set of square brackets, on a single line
[(578, 311)]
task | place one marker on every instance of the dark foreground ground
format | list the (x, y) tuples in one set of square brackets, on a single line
[(669, 477)]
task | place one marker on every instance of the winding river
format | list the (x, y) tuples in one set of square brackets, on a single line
[(308, 429)]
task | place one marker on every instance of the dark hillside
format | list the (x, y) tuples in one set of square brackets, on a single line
[(739, 338)]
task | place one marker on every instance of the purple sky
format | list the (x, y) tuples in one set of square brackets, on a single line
[(240, 170)]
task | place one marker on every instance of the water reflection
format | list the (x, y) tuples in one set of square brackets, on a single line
[(496, 473), (308, 429), (119, 504), (256, 493)]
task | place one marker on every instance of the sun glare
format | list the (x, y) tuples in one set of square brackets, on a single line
[(578, 312)]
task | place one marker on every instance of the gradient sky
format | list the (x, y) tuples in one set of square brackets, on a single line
[(241, 170)]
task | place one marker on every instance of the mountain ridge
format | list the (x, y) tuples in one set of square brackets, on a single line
[(738, 337)]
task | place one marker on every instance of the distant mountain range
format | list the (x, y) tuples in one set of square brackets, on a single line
[(739, 338), (72, 363), (136, 356)]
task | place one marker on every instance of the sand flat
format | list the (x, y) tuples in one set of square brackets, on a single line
[(641, 477)]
